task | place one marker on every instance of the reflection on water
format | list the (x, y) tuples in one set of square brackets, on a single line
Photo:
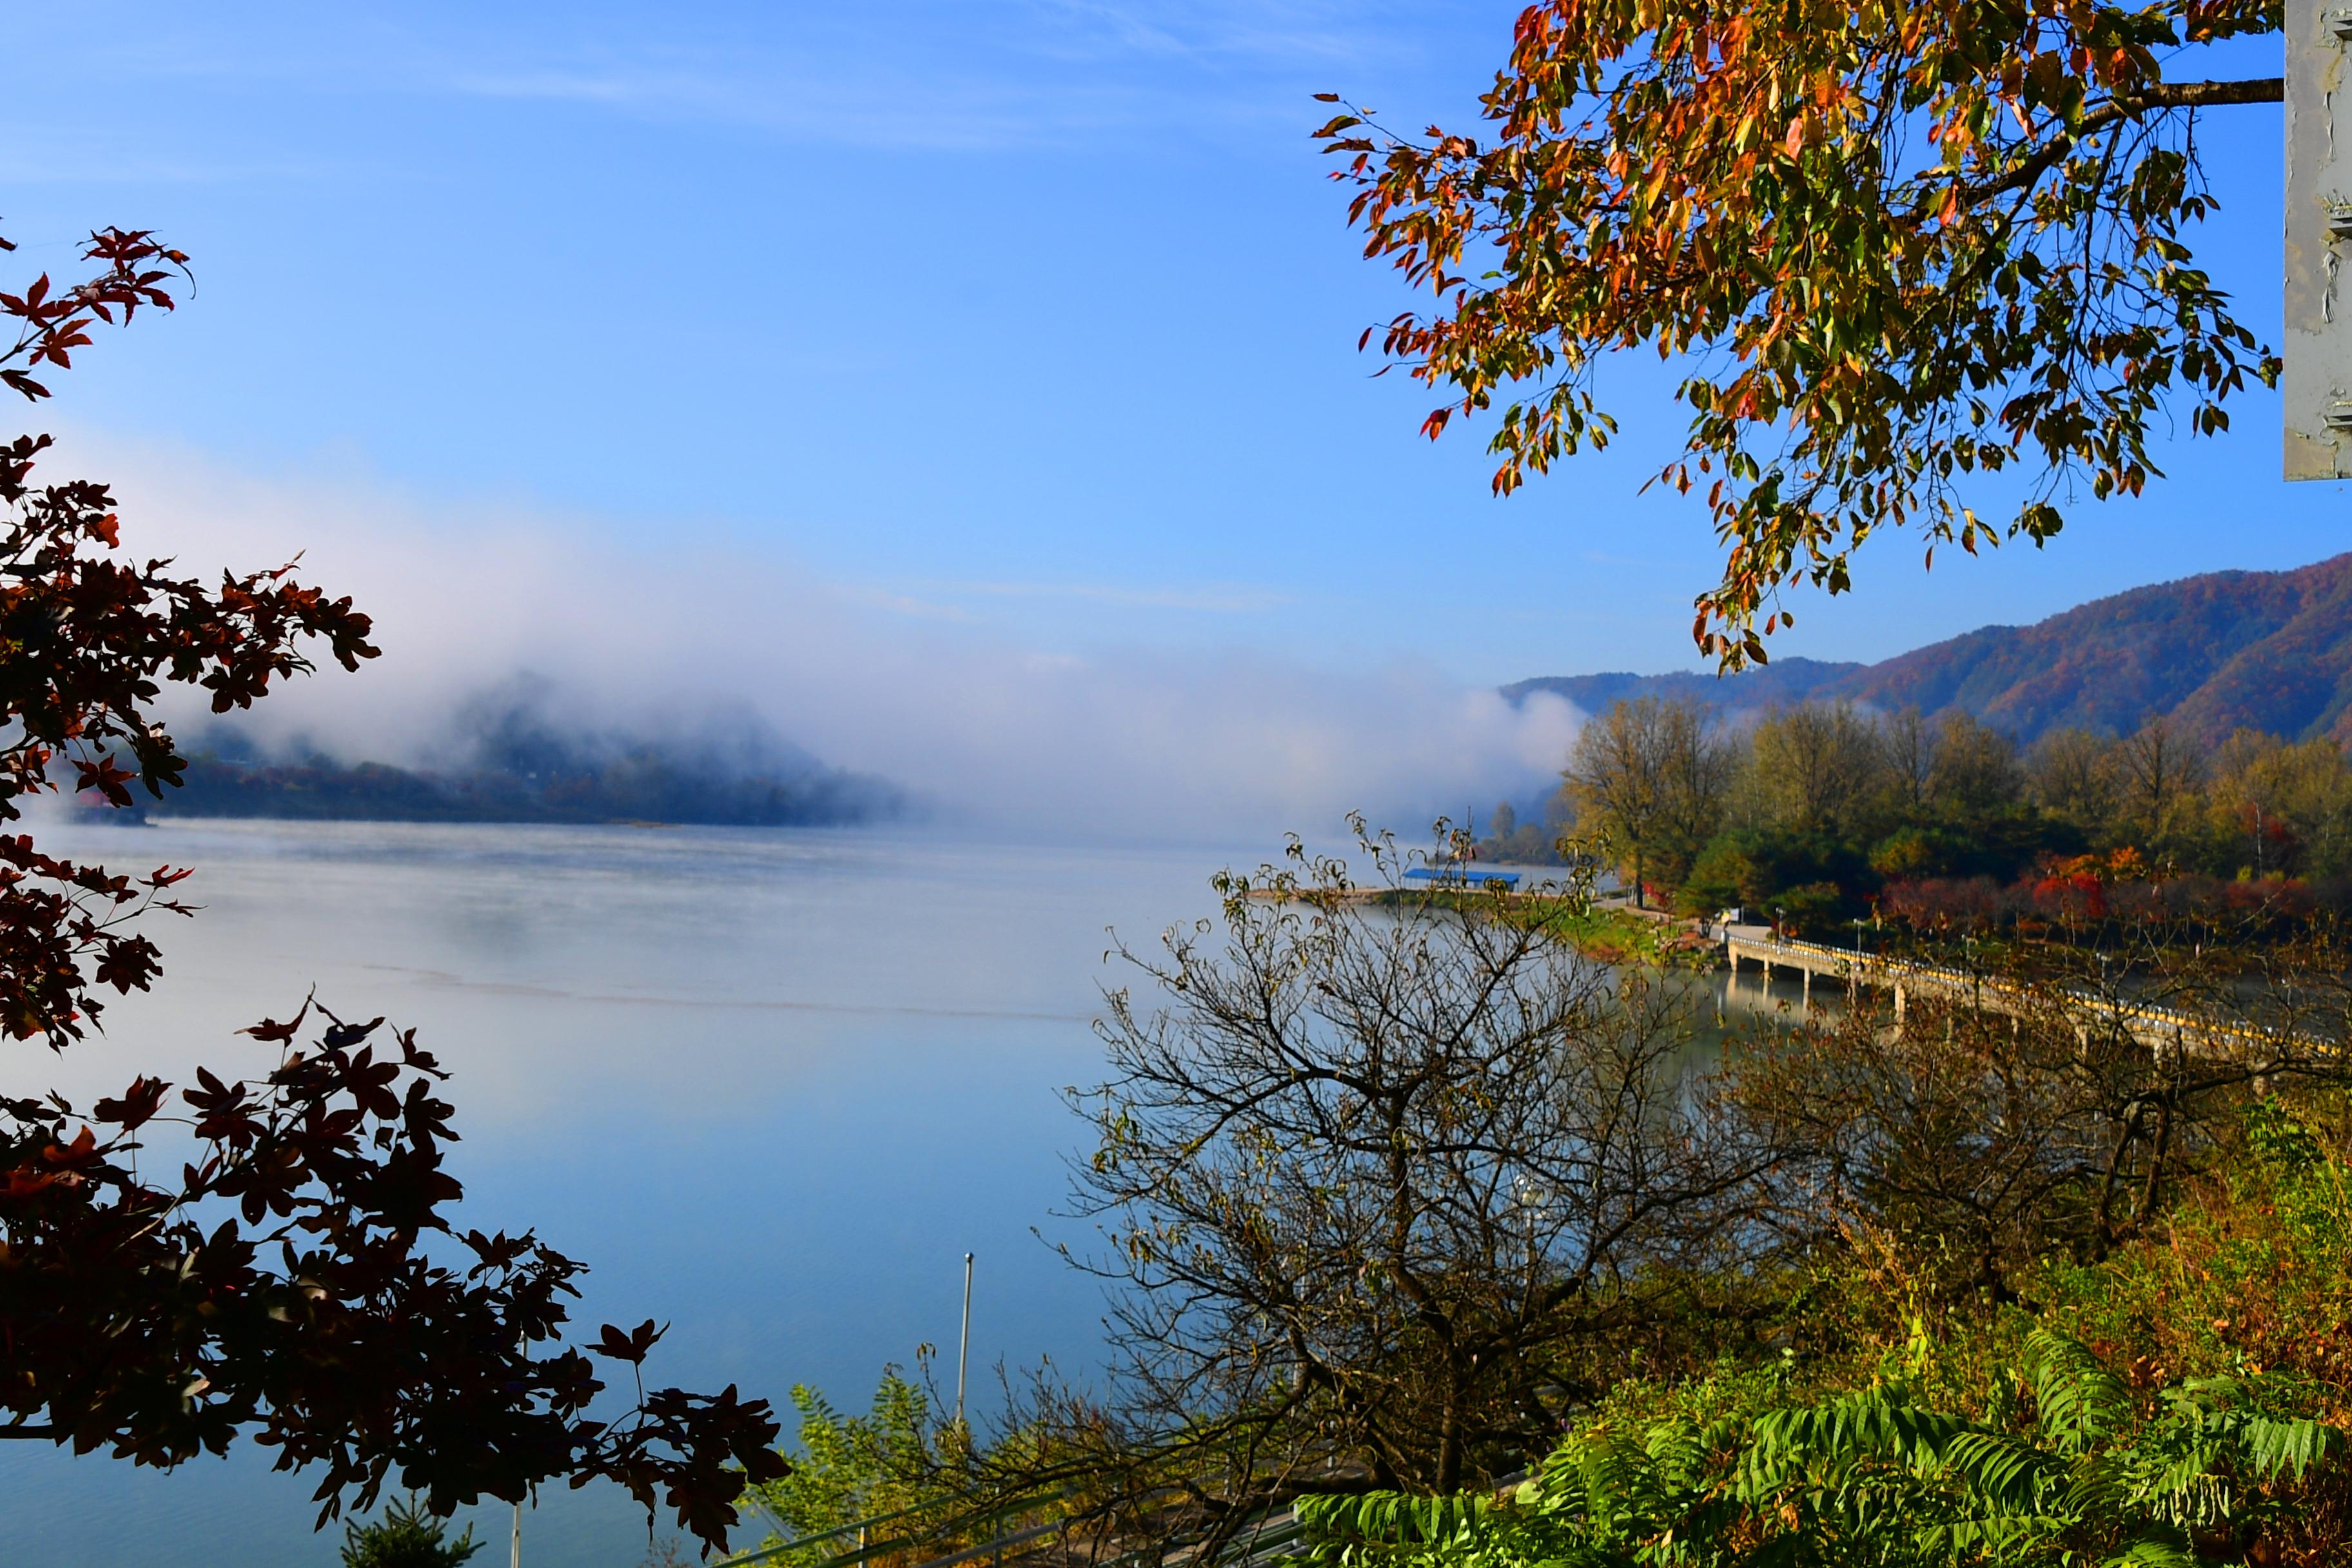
[(773, 1085)]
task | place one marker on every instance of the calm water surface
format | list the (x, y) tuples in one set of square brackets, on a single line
[(771, 1085)]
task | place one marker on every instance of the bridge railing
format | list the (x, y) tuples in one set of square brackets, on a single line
[(1897, 970)]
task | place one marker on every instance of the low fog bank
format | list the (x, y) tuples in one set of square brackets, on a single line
[(509, 757), (506, 629)]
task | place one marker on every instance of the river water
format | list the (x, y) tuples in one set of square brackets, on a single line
[(771, 1085)]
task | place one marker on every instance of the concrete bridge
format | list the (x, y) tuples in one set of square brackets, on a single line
[(2158, 1027)]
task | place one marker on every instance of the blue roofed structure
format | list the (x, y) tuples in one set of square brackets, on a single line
[(1463, 877)]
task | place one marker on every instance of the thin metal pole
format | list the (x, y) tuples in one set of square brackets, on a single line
[(514, 1550), (963, 1346)]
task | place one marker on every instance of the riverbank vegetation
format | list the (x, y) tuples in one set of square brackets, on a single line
[(506, 755), (1822, 814), (2181, 1398), (1399, 1202), (1611, 935)]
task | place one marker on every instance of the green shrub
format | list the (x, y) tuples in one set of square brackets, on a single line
[(900, 1460), (1811, 877), (1725, 875), (407, 1536), (2250, 1272), (2083, 1472)]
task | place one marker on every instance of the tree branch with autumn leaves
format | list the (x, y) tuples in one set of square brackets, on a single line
[(1897, 250)]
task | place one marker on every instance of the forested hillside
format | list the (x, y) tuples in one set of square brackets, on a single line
[(638, 786), (508, 759), (2228, 650)]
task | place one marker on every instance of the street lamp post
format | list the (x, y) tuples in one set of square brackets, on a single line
[(963, 1343)]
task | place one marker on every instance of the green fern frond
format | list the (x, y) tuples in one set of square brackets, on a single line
[(2274, 1447), (1828, 1439), (1869, 1476), (1680, 1450), (2002, 1474), (2080, 1403), (2154, 1552)]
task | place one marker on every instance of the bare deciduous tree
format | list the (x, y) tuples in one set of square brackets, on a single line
[(1819, 763), (1396, 1183), (2280, 808), (1649, 776), (1907, 746), (1974, 772), (2159, 770), (2072, 775), (2044, 1114)]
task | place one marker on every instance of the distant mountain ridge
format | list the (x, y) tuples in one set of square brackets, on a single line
[(2267, 650)]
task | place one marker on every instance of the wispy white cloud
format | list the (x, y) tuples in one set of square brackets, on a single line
[(1223, 599), (949, 74), (895, 603), (889, 105), (113, 154), (877, 105), (1269, 33)]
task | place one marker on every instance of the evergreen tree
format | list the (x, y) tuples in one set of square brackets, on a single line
[(407, 1536)]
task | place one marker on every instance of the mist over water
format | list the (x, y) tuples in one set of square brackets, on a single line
[(673, 644)]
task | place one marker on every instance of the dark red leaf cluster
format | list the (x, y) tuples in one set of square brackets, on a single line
[(87, 642), (299, 1279), (2063, 897), (282, 1284), (50, 324)]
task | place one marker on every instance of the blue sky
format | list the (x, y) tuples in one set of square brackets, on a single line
[(1036, 317)]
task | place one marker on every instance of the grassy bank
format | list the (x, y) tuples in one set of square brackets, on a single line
[(1619, 936)]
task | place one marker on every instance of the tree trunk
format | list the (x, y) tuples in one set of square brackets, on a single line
[(1449, 1437)]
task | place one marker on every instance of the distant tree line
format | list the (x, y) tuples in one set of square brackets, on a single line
[(642, 785), (1824, 812)]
